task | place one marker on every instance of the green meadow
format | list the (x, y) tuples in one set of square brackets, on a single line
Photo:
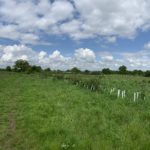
[(44, 113)]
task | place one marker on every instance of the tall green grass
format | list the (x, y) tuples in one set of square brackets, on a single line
[(42, 113)]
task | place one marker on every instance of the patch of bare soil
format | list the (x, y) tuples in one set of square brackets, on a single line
[(10, 132)]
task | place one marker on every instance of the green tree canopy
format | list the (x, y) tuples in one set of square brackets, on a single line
[(8, 68), (106, 71), (47, 70), (75, 70), (21, 65), (123, 69)]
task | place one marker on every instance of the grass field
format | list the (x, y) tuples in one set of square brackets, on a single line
[(38, 113)]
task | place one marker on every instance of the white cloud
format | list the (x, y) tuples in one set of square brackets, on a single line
[(23, 20), (42, 55), (108, 58), (11, 53), (85, 55), (137, 60), (7, 57), (24, 57), (82, 58), (111, 39), (56, 55), (147, 45), (28, 18), (109, 18)]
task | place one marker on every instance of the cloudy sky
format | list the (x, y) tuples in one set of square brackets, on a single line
[(89, 34)]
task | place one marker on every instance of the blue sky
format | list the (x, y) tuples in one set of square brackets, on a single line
[(62, 34)]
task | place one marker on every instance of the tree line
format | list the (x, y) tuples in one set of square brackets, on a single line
[(24, 66)]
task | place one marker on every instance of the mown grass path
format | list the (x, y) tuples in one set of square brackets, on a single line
[(39, 113)]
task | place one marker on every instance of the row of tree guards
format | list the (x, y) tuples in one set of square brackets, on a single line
[(94, 84)]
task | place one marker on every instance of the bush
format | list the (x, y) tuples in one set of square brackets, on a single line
[(8, 68), (21, 65), (106, 71), (123, 70), (147, 73)]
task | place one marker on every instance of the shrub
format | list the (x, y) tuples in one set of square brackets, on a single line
[(147, 73), (21, 65), (8, 68)]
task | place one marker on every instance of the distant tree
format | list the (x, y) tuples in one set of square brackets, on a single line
[(75, 70), (59, 71), (67, 71), (21, 65), (8, 68), (123, 69), (137, 72), (140, 72), (147, 73), (106, 71), (86, 72), (35, 68), (95, 72), (47, 70)]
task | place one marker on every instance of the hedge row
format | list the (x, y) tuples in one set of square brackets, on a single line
[(92, 84)]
